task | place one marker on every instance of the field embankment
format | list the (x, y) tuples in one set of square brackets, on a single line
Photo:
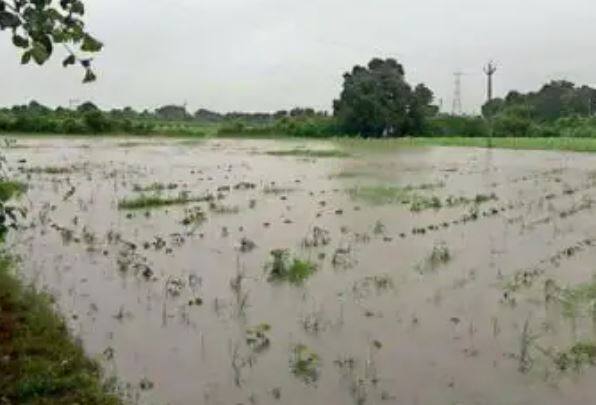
[(39, 361)]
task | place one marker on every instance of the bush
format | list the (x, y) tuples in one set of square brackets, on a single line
[(543, 131), (451, 125), (511, 125), (36, 124), (97, 122), (71, 126)]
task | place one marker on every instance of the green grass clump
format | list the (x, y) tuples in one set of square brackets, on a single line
[(575, 144), (421, 203), (194, 216), (155, 187), (40, 363), (583, 353), (10, 189), (256, 337), (384, 194), (304, 364), (49, 170), (155, 201), (439, 255), (285, 268), (380, 195), (310, 153), (579, 299)]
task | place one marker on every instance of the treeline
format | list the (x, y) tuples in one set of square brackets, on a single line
[(559, 108), (376, 101), (86, 119)]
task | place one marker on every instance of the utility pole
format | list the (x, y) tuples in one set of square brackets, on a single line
[(457, 108), (490, 69)]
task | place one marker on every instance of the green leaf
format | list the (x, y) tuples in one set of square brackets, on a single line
[(70, 60), (89, 76), (39, 53), (91, 44), (78, 7), (9, 20), (26, 58), (20, 41)]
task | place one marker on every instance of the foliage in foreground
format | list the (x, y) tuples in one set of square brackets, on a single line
[(40, 363), (37, 26)]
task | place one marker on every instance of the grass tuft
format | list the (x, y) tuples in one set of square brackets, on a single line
[(10, 189), (155, 201), (285, 268)]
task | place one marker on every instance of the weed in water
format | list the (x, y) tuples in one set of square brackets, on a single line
[(285, 268), (372, 284), (49, 170), (379, 228), (583, 353), (421, 203), (380, 195), (304, 364), (155, 187), (155, 201), (256, 337), (317, 238), (277, 190), (247, 245), (11, 189), (439, 256), (194, 216), (579, 300), (221, 209)]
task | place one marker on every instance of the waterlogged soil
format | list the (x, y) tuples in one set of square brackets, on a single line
[(443, 304)]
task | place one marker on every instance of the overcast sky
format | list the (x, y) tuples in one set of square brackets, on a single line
[(265, 55)]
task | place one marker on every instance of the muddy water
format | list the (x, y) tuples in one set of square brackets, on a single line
[(425, 332)]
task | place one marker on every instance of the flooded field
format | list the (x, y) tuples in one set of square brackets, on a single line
[(263, 272)]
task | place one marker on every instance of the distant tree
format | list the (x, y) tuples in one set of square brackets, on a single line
[(97, 122), (205, 115), (172, 113), (87, 106), (557, 99), (302, 112), (377, 100), (36, 108), (36, 26), (280, 114), (493, 107), (421, 107)]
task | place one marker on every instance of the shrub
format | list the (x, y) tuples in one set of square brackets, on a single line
[(97, 122)]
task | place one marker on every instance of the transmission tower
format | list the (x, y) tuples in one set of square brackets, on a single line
[(490, 69), (457, 108)]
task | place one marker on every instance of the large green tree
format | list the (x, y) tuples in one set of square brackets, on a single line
[(37, 26), (378, 101)]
